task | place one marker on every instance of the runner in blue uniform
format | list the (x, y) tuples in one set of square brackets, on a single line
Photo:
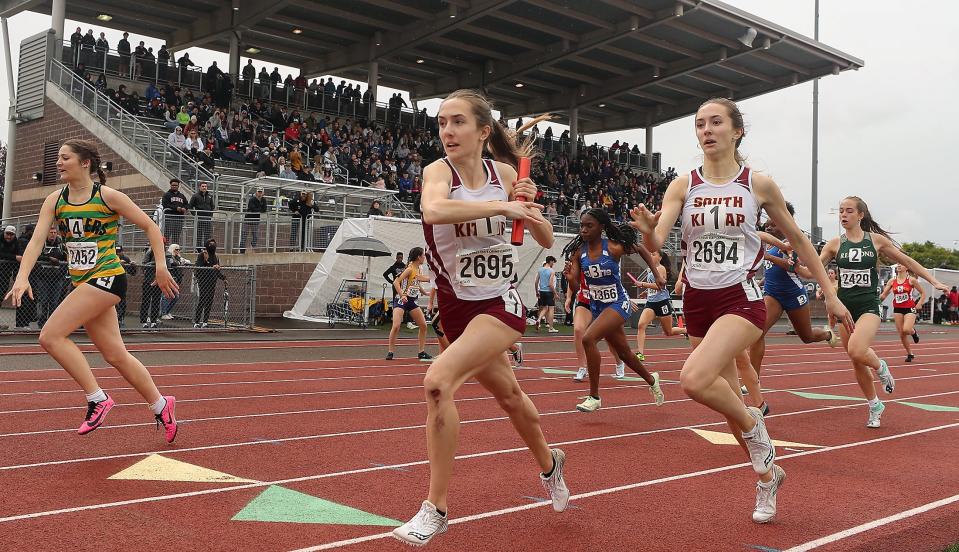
[(597, 258)]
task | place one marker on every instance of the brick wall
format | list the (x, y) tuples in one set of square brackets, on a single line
[(57, 126), (278, 286)]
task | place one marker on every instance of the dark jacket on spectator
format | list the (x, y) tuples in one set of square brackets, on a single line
[(254, 207), (202, 204), (171, 200)]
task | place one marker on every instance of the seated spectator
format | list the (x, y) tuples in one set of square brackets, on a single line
[(176, 139), (205, 157), (170, 118), (284, 170), (183, 118), (375, 209)]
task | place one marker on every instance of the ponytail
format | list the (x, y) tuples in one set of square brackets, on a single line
[(101, 176), (664, 260)]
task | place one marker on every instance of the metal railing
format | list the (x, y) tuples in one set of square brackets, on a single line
[(133, 67), (172, 162), (209, 298)]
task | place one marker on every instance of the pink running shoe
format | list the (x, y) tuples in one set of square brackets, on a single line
[(167, 419), (96, 413)]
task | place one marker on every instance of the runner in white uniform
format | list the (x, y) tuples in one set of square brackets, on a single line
[(719, 204), (466, 206)]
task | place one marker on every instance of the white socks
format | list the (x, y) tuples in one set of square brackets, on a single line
[(97, 396), (873, 402), (158, 406)]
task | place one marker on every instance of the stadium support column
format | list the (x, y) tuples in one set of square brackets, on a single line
[(573, 131), (649, 148), (12, 120), (816, 230), (373, 76), (59, 13), (234, 65)]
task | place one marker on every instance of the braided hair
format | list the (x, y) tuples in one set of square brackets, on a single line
[(664, 260), (621, 233)]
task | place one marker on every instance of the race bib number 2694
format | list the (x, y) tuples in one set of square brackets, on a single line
[(716, 252)]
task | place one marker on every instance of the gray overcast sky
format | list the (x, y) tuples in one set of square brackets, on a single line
[(882, 129)]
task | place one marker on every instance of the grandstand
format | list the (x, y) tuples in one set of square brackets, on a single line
[(615, 65)]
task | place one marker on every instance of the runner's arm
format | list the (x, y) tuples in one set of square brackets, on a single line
[(885, 246), (886, 289)]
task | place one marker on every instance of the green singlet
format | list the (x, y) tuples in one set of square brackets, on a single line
[(858, 277)]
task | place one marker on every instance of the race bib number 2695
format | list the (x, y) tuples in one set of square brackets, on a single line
[(488, 266)]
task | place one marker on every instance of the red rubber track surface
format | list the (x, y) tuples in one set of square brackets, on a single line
[(351, 431)]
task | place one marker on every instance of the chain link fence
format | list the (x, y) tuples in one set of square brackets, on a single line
[(210, 298)]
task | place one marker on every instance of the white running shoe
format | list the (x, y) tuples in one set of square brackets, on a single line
[(833, 336), (166, 317), (656, 391), (760, 446), (581, 374), (518, 354), (874, 414), (589, 404), (411, 325), (620, 370), (552, 330), (554, 484), (766, 496), (885, 376), (426, 524)]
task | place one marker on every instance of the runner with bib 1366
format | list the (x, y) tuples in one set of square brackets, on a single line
[(88, 215), (719, 204), (857, 253), (598, 259)]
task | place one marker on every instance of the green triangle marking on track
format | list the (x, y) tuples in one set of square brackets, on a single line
[(282, 505), (805, 395), (930, 407), (557, 371)]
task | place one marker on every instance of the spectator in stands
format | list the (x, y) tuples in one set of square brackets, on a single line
[(51, 276), (175, 264), (169, 119), (192, 144), (131, 269), (163, 61), (75, 40), (9, 258), (191, 125), (27, 311), (206, 273), (101, 84), (123, 49), (254, 208), (307, 174), (174, 210), (206, 157), (212, 73), (301, 207), (88, 45), (176, 140), (185, 61), (139, 54), (182, 118), (284, 170), (202, 205), (375, 209)]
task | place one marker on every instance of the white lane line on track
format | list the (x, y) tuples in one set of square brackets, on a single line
[(589, 494), (600, 492), (373, 406), (462, 422), (532, 359), (828, 539), (393, 375), (671, 351)]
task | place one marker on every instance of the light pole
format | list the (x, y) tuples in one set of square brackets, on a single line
[(816, 230)]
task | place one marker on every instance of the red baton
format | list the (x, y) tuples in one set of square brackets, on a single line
[(523, 172)]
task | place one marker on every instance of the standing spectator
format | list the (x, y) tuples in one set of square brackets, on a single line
[(163, 61), (131, 269), (393, 271), (954, 305), (254, 207), (150, 292), (546, 294), (301, 208), (27, 311), (202, 205), (88, 46), (175, 264), (51, 276), (205, 275), (139, 54), (9, 258), (123, 49), (174, 210), (249, 75), (75, 40)]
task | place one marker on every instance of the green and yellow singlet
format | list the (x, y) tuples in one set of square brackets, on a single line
[(90, 232)]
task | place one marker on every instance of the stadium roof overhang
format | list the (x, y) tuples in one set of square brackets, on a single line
[(621, 63)]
